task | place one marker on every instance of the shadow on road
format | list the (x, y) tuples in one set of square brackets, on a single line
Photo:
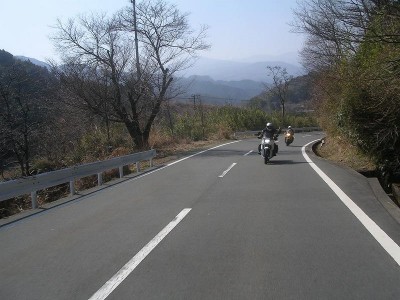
[(225, 153), (277, 160), (285, 162)]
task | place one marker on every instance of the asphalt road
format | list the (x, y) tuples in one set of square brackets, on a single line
[(216, 225)]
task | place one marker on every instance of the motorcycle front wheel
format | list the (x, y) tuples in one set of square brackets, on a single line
[(266, 156)]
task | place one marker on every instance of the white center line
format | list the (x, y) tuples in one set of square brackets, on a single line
[(120, 276), (248, 153), (386, 242), (227, 170)]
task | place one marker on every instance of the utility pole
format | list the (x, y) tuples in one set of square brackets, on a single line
[(139, 73), (202, 118), (194, 96), (194, 101)]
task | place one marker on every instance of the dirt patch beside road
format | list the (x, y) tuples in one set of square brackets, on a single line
[(343, 153)]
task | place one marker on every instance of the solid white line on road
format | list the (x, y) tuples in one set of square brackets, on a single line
[(175, 162), (120, 276), (386, 242), (248, 153), (227, 170)]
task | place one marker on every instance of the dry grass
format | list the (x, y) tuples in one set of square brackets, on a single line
[(341, 151), (169, 148), (180, 148)]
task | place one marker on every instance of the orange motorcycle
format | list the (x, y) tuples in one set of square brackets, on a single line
[(289, 138)]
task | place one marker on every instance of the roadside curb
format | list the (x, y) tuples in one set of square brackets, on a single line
[(379, 193), (384, 199), (396, 192)]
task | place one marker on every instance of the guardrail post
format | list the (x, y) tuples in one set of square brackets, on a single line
[(137, 167), (72, 187), (151, 162), (121, 171), (99, 179), (34, 199)]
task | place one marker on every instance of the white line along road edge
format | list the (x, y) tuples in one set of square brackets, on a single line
[(386, 242), (178, 161), (124, 272)]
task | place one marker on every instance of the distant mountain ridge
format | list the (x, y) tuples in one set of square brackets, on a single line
[(219, 91), (292, 58), (33, 60), (227, 70), (221, 81)]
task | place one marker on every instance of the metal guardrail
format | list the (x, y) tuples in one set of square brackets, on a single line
[(252, 133), (32, 184)]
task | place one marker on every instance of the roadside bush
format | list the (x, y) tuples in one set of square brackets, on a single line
[(223, 121), (13, 206), (371, 106), (184, 125), (44, 165)]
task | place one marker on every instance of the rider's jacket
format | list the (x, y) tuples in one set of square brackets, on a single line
[(291, 131), (269, 132)]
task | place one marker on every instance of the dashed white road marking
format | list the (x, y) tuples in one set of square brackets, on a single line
[(386, 242), (227, 170), (121, 275), (248, 153)]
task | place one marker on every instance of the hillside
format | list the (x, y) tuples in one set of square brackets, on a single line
[(33, 60), (219, 91), (299, 96)]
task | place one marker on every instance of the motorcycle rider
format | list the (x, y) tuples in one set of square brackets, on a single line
[(289, 135), (290, 130), (270, 132)]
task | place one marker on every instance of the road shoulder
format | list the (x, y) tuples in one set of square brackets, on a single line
[(364, 192)]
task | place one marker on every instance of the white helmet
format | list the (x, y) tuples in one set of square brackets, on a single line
[(269, 125), (289, 127)]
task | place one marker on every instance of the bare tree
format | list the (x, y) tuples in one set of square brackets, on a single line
[(100, 71), (336, 28), (280, 86)]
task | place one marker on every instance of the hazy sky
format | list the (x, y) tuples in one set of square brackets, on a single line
[(238, 29)]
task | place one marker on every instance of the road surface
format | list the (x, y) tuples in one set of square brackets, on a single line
[(216, 225)]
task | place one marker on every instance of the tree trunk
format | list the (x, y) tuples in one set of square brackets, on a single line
[(138, 137)]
